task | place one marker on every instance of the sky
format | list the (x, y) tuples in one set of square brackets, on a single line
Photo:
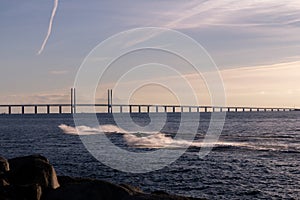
[(255, 45)]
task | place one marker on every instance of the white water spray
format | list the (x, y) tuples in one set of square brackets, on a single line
[(145, 140)]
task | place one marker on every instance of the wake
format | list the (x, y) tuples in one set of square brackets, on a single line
[(161, 140), (85, 130), (143, 140)]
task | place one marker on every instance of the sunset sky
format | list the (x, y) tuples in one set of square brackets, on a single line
[(255, 44)]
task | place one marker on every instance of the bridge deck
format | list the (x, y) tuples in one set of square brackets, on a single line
[(132, 108)]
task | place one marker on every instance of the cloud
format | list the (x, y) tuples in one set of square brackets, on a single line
[(267, 85), (58, 72), (35, 98), (197, 14), (248, 32), (274, 85), (270, 85)]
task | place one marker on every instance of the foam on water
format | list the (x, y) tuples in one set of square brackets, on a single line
[(86, 130), (161, 140), (147, 139)]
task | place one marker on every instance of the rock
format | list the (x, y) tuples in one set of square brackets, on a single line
[(32, 170), (3, 182), (4, 165), (30, 192), (81, 189), (131, 189), (34, 178), (4, 168)]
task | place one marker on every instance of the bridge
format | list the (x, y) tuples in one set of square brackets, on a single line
[(109, 107)]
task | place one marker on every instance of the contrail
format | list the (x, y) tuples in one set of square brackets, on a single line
[(50, 27)]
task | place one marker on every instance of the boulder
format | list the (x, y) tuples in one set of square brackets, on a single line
[(34, 178), (4, 165), (4, 168), (81, 189), (30, 192), (3, 182), (131, 189), (32, 170)]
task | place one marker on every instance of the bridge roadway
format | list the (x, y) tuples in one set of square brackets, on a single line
[(131, 108)]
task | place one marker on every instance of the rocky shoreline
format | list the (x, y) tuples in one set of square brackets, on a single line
[(34, 178)]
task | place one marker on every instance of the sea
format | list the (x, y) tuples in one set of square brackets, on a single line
[(257, 155)]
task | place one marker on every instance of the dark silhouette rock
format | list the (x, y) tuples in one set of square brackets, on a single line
[(131, 189), (32, 170), (34, 178), (81, 189), (77, 189), (4, 168), (26, 178), (3, 182), (30, 192), (4, 165)]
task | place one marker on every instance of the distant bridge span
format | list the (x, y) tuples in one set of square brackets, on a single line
[(131, 108), (109, 107)]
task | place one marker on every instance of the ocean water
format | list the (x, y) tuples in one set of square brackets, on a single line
[(257, 155)]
